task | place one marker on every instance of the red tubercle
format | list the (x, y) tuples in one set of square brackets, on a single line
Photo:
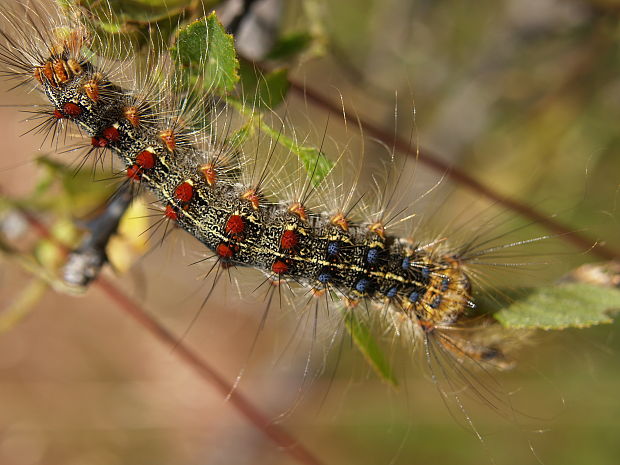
[(146, 159), (279, 267), (224, 250), (289, 239), (99, 142), (134, 172), (108, 135), (235, 225), (170, 213), (184, 192), (71, 109), (111, 134), (58, 114)]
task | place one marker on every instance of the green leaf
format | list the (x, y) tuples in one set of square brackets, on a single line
[(48, 253), (118, 15), (315, 162), (209, 53), (64, 190), (368, 346), (573, 305), (240, 136), (289, 46), (264, 91), (124, 26)]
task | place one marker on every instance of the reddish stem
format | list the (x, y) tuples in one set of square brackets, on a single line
[(274, 432), (436, 163)]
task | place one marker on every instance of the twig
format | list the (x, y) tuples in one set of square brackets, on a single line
[(433, 161), (272, 431)]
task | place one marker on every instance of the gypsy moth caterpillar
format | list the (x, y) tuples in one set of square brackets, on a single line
[(185, 197)]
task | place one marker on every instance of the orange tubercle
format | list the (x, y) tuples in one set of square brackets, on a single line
[(132, 115), (168, 138), (298, 209), (74, 66), (48, 72), (426, 326), (318, 292), (91, 87), (341, 221), (378, 229), (209, 172), (60, 71), (252, 196)]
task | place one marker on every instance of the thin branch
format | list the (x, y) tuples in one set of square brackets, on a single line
[(272, 431), (435, 162)]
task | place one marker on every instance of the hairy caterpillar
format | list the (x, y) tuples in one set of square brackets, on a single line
[(422, 284), (431, 290)]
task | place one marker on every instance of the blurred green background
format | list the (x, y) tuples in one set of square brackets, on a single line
[(523, 95)]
